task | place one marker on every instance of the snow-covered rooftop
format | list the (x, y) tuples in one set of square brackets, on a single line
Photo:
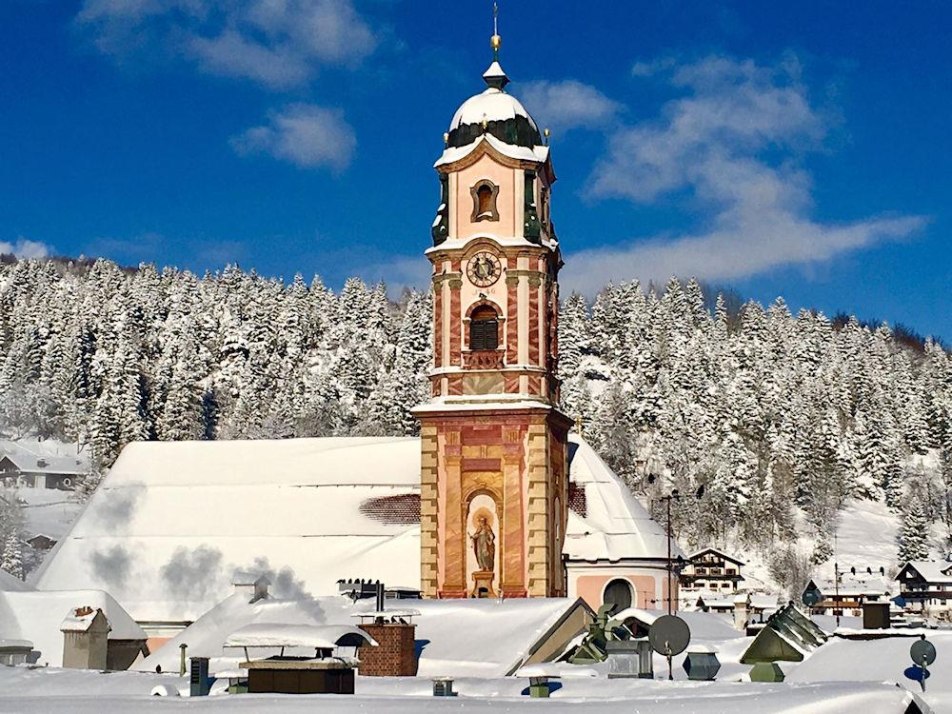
[(45, 456), (509, 631), (615, 526), (932, 571), (172, 522), (39, 616), (489, 105), (452, 154)]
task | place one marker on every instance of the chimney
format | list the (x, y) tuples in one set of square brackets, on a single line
[(741, 612), (395, 633)]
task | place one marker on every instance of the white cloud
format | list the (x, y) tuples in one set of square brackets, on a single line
[(277, 43), (567, 104), (24, 248), (648, 69), (730, 150), (304, 134)]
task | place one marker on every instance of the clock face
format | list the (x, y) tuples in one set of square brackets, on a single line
[(483, 269)]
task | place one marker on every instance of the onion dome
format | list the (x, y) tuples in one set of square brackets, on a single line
[(493, 112)]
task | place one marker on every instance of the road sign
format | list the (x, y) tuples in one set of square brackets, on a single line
[(669, 635)]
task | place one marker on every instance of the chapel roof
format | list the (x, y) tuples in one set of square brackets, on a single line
[(172, 521)]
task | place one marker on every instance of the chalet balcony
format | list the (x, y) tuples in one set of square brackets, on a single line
[(484, 359)]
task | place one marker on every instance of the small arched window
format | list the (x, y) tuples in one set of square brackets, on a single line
[(484, 329), (484, 201)]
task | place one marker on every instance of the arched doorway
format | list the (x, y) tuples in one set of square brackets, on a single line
[(618, 593)]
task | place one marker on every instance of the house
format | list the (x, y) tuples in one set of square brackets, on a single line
[(847, 596), (311, 512), (711, 570), (41, 463), (926, 586)]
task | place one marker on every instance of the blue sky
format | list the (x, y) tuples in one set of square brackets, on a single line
[(795, 149)]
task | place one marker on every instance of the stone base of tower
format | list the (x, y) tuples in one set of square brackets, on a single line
[(493, 498)]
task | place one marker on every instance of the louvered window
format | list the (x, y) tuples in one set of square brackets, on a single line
[(484, 329)]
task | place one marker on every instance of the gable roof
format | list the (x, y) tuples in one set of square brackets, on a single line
[(36, 456), (172, 521), (861, 584), (930, 570), (721, 553)]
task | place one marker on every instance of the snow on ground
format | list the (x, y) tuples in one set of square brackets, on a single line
[(49, 511), (42, 690), (865, 538), (841, 660)]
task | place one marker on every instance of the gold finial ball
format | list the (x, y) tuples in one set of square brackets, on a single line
[(495, 42)]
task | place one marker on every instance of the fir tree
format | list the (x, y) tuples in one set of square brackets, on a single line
[(913, 532)]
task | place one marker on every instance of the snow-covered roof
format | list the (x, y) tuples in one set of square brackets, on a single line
[(452, 154), (79, 619), (615, 526), (38, 617), (271, 634), (861, 584), (932, 571), (510, 631), (172, 522), (44, 456), (489, 105), (715, 551)]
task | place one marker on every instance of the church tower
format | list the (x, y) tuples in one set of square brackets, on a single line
[(494, 463)]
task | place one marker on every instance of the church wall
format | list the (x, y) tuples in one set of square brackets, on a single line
[(649, 584)]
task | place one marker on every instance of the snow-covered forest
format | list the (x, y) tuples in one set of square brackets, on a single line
[(766, 409)]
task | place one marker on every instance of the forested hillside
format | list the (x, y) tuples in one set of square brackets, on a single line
[(766, 409)]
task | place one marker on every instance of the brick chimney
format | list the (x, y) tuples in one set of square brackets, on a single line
[(395, 633)]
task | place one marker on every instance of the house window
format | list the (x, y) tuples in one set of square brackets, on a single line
[(484, 201), (484, 329), (618, 593)]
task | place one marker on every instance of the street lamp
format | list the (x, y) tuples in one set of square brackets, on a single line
[(674, 495)]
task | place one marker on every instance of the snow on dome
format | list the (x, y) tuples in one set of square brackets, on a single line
[(491, 105)]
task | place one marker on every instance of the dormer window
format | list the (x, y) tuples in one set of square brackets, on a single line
[(484, 329), (484, 201)]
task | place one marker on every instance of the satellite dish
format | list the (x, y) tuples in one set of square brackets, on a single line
[(922, 652), (669, 635), (811, 597)]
